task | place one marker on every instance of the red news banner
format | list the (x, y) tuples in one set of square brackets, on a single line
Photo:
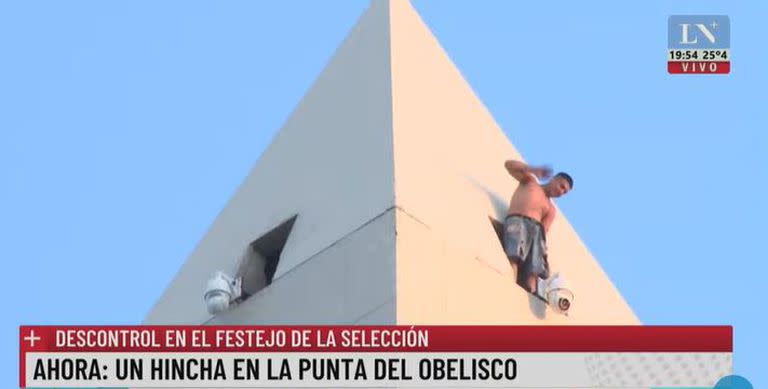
[(373, 356)]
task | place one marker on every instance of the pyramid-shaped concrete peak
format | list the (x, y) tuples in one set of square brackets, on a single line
[(392, 168)]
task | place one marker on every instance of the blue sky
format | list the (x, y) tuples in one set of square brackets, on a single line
[(125, 127)]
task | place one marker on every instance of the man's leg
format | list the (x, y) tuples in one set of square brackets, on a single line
[(533, 282), (539, 267), (518, 244), (525, 277), (515, 262), (513, 240)]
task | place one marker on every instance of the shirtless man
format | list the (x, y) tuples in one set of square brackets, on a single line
[(529, 217)]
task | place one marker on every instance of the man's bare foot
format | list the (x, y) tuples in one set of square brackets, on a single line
[(532, 284)]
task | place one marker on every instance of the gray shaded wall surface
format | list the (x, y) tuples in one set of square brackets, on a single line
[(331, 163), (351, 281)]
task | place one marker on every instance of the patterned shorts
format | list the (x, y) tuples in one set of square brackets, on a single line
[(525, 243)]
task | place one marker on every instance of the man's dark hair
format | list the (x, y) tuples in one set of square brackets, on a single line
[(566, 177)]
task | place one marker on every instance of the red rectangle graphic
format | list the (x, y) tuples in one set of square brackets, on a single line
[(699, 67), (384, 339)]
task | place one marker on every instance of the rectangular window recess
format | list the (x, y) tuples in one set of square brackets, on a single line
[(259, 263)]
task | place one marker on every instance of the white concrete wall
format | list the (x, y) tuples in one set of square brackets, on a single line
[(440, 282), (450, 176)]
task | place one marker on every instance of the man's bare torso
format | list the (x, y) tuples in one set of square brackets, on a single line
[(530, 200)]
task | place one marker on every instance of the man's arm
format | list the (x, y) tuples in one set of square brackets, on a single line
[(548, 218), (522, 172)]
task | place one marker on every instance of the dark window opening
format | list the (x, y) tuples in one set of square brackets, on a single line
[(499, 228), (259, 263)]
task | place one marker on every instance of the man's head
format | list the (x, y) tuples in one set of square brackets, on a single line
[(559, 185)]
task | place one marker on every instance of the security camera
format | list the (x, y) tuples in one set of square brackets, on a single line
[(558, 296), (221, 292)]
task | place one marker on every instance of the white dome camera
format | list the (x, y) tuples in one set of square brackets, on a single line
[(557, 294), (221, 291)]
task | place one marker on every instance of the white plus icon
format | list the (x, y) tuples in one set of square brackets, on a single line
[(714, 24), (31, 338)]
